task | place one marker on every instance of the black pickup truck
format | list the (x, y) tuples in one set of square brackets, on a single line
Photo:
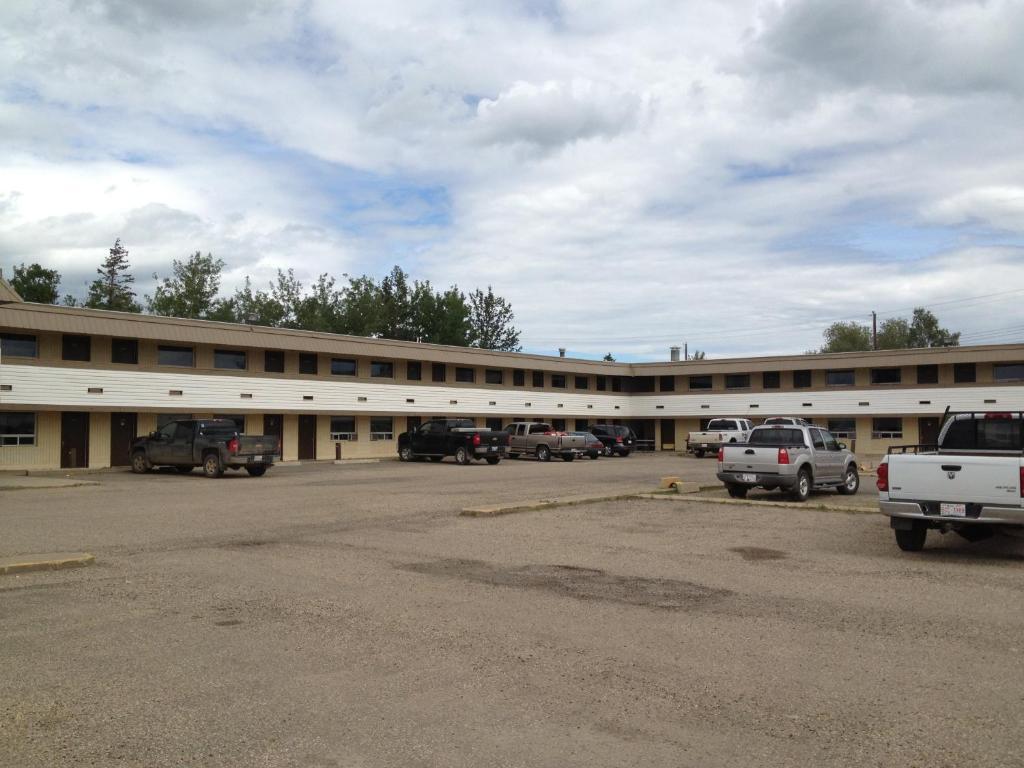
[(460, 438), (213, 444)]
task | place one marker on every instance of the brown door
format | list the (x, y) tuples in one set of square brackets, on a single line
[(668, 434), (123, 428), (928, 430), (74, 440), (273, 424), (307, 438)]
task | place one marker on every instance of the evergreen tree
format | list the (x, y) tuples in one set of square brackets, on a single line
[(113, 288), (191, 291), (490, 322), (36, 284), (608, 358)]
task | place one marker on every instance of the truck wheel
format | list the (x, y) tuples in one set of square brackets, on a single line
[(699, 454), (802, 490), (594, 455), (183, 469), (911, 540), (568, 457), (851, 482), (543, 453), (212, 466), (608, 451), (405, 453), (461, 455), (257, 470), (737, 491), (140, 465), (492, 460)]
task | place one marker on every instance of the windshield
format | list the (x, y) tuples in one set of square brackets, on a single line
[(776, 436), (721, 425)]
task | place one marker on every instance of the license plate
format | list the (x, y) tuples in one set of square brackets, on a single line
[(492, 449), (257, 458), (953, 510), (703, 445), (746, 478)]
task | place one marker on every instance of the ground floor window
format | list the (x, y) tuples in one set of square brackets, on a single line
[(238, 419), (382, 428), (844, 429), (343, 428), (558, 425), (163, 419), (17, 428), (494, 424), (887, 429)]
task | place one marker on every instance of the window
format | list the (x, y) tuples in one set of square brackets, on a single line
[(886, 429), (616, 383), (238, 420), (413, 422), (1008, 372), (414, 370), (721, 425), (843, 378), (801, 379), (845, 429), (273, 361), (737, 381), (17, 428), (343, 366), (229, 359), (581, 425), (437, 372), (465, 375), (163, 419), (989, 434), (493, 424), (124, 351), (643, 384), (817, 439), (538, 378), (601, 383), (558, 380), (582, 382), (771, 379), (667, 384), (518, 378), (77, 348), (18, 345), (927, 374), (309, 362), (382, 428), (382, 369), (886, 375), (494, 376), (183, 357), (343, 428), (539, 429), (776, 436), (964, 373), (700, 382), (558, 425)]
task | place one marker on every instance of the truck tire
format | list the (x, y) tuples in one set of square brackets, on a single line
[(492, 460), (256, 470), (737, 491), (802, 490), (851, 482), (911, 540), (543, 453), (568, 457), (699, 453), (184, 469), (140, 464), (405, 453), (212, 466), (461, 455)]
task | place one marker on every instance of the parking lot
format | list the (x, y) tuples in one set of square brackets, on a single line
[(330, 615)]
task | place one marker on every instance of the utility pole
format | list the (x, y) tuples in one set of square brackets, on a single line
[(874, 330), (686, 351)]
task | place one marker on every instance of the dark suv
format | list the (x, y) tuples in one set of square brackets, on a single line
[(618, 440)]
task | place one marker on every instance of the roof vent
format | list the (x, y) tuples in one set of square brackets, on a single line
[(673, 354), (561, 351)]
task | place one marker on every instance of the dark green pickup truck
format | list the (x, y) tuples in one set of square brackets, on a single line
[(213, 444)]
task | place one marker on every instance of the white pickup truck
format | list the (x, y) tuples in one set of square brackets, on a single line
[(972, 482), (718, 433)]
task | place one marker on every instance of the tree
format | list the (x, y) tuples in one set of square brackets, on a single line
[(847, 337), (698, 355), (112, 289), (926, 332), (36, 284), (894, 333), (321, 308), (608, 358), (254, 306), (490, 322), (361, 310), (396, 315), (192, 289)]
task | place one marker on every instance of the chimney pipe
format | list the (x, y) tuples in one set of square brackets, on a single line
[(673, 354), (561, 351)]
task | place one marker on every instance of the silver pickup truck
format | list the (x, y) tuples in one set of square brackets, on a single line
[(536, 438), (719, 432), (794, 458), (972, 482)]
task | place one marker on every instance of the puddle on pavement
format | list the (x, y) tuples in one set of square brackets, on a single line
[(759, 553)]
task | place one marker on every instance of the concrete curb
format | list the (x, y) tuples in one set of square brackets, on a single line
[(532, 506), (693, 498), (38, 483), (54, 561)]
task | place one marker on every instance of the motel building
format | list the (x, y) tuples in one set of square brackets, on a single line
[(78, 385)]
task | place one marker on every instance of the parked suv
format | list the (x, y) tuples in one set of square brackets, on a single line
[(617, 440)]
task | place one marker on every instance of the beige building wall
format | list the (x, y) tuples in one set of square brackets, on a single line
[(99, 440), (45, 454)]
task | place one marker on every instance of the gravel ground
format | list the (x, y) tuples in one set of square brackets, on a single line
[(347, 616)]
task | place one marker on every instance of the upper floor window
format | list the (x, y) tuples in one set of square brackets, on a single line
[(558, 380), (17, 428), (801, 379), (229, 359), (538, 378), (643, 384), (771, 379), (601, 383), (438, 372), (465, 375), (382, 369), (616, 383), (343, 366), (309, 362), (494, 376), (124, 351), (667, 384), (273, 361), (886, 375), (582, 382), (700, 382), (737, 381), (964, 373), (77, 348), (927, 374), (414, 370), (1008, 372), (518, 378), (183, 357), (844, 378), (18, 345)]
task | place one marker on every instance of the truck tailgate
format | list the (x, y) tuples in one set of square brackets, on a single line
[(955, 478), (260, 445), (748, 458)]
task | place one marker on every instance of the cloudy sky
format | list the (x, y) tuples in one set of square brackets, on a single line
[(630, 175)]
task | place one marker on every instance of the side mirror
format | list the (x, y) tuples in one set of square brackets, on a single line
[(842, 446), (154, 435)]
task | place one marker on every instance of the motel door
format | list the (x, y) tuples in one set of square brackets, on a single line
[(307, 437), (123, 429), (928, 430), (668, 434), (74, 440)]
